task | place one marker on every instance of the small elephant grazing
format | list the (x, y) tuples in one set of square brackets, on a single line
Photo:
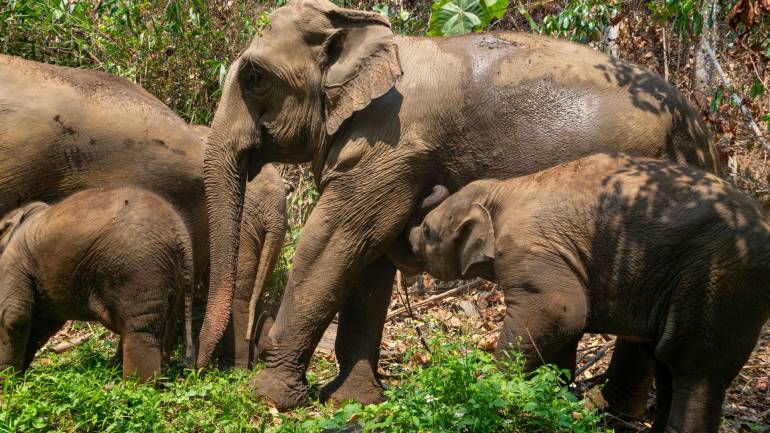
[(651, 251), (87, 129), (122, 257)]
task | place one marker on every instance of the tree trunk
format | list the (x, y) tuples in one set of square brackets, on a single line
[(610, 40), (704, 74)]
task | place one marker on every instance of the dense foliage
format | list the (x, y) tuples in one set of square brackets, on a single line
[(177, 49), (459, 389), (463, 390)]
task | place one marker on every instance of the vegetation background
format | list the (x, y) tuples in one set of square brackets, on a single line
[(179, 50)]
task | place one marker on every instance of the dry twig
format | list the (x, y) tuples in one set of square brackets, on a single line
[(599, 355), (433, 299), (69, 344)]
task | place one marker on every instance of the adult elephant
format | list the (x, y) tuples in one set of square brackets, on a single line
[(63, 130), (381, 118)]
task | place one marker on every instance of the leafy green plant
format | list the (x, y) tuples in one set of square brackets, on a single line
[(83, 391), (457, 17), (579, 20), (402, 20), (178, 49), (463, 390), (684, 15)]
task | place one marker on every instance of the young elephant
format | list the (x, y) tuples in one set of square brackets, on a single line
[(651, 251), (121, 257)]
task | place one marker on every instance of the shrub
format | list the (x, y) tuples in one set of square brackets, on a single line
[(461, 389), (178, 50)]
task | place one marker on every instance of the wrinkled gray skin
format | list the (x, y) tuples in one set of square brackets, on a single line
[(382, 119), (63, 130), (669, 256), (121, 257)]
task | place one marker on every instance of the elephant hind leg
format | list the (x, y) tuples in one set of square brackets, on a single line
[(359, 334), (142, 356)]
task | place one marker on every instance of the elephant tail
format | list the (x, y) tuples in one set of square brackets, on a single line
[(189, 291), (271, 249), (185, 283)]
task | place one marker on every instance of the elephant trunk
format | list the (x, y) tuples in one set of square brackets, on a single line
[(225, 172), (439, 194), (271, 248), (228, 161)]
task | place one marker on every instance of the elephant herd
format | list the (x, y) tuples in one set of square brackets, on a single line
[(607, 215)]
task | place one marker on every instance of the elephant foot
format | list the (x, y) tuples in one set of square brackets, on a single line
[(281, 390), (363, 388), (605, 400)]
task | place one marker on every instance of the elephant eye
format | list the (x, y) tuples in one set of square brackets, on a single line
[(253, 78), (426, 231)]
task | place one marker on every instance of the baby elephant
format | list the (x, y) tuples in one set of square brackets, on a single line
[(650, 251), (121, 257)]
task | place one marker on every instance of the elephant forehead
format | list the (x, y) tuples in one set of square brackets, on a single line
[(308, 23)]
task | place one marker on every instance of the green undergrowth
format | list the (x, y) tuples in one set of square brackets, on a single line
[(459, 389)]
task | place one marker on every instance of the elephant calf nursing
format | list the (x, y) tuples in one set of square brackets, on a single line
[(644, 249), (382, 119)]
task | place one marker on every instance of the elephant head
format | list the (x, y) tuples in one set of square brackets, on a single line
[(14, 219), (284, 97), (457, 238)]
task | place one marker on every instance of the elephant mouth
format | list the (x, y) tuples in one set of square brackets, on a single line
[(265, 138)]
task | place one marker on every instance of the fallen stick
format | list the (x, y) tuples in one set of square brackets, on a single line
[(432, 299), (599, 355), (67, 345)]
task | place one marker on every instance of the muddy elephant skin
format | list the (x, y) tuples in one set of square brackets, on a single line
[(63, 130), (382, 119), (121, 257), (663, 254)]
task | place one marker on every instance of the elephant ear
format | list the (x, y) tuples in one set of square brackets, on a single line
[(476, 238), (361, 63), (13, 221)]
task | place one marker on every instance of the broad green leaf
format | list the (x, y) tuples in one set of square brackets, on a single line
[(493, 9), (382, 10), (455, 17)]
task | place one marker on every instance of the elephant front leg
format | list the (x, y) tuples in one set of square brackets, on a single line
[(359, 334), (629, 379), (352, 225), (545, 316), (16, 306), (237, 350), (141, 356), (696, 405), (42, 330)]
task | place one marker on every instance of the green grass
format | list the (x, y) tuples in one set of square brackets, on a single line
[(459, 390), (82, 391)]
